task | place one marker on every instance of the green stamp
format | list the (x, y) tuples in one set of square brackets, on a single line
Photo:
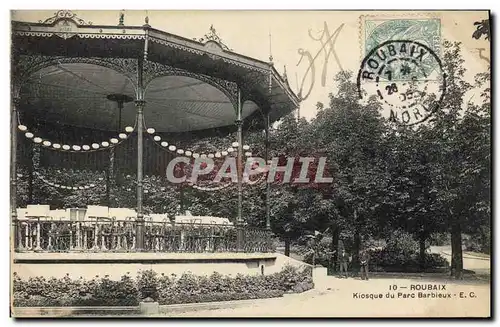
[(423, 31)]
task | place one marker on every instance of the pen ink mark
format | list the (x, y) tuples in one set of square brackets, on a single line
[(327, 41)]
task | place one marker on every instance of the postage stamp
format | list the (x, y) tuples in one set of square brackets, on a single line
[(426, 30)]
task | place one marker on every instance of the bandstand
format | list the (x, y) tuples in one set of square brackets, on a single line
[(121, 101)]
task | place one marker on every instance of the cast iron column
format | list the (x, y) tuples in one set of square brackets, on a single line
[(139, 243), (239, 166), (13, 171), (268, 185)]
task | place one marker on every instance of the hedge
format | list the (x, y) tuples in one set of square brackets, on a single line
[(150, 286)]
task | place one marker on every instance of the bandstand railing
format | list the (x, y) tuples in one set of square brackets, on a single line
[(40, 235)]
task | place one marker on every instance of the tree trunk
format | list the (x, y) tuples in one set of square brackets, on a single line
[(422, 249), (287, 246), (457, 264), (334, 247), (357, 242)]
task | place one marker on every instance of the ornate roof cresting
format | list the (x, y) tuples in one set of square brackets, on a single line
[(121, 19), (65, 14), (212, 36)]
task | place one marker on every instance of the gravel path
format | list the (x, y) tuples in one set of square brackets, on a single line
[(335, 297)]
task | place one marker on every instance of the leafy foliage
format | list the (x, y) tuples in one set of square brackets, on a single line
[(165, 289)]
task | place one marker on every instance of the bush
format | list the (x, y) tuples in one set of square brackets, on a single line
[(402, 254), (402, 244), (147, 284), (386, 260), (39, 291), (440, 239), (166, 289), (479, 242)]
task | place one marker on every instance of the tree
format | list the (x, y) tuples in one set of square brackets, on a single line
[(351, 134), (461, 173)]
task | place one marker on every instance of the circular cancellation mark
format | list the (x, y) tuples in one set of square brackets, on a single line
[(406, 77)]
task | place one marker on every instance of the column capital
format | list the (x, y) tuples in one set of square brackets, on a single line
[(16, 101), (140, 103), (238, 122)]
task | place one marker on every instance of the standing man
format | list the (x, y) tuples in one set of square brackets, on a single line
[(343, 261), (363, 261)]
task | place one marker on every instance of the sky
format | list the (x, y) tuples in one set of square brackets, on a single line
[(283, 34)]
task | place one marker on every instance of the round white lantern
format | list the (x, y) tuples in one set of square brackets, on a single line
[(172, 148), (86, 147), (246, 147), (22, 128), (150, 130), (113, 140), (123, 136), (164, 144), (37, 140), (77, 147), (29, 135), (46, 143), (129, 129), (235, 144), (188, 153), (56, 146), (95, 146), (105, 144), (180, 151), (157, 138)]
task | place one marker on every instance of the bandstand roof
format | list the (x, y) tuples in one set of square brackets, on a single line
[(68, 71)]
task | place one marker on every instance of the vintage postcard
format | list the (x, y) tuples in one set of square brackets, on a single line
[(250, 164)]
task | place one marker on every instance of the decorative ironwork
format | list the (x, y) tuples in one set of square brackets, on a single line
[(258, 240), (121, 19), (153, 70), (106, 235), (200, 52), (65, 14), (213, 36), (28, 65)]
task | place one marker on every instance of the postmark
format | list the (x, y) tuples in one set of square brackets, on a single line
[(400, 75)]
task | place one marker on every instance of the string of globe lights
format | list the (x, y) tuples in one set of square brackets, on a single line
[(190, 153), (36, 158), (94, 146), (66, 187), (211, 189)]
